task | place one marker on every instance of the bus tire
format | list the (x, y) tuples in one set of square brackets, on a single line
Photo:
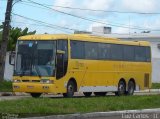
[(121, 88), (131, 88), (87, 94), (70, 90), (100, 93), (35, 95)]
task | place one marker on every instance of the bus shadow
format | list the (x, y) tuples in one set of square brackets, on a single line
[(78, 97)]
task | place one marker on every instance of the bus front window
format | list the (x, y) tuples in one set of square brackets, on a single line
[(35, 58)]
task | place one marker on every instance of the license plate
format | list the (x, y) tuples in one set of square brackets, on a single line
[(30, 86)]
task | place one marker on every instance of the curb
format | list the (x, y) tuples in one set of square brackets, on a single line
[(97, 114), (25, 94), (148, 91), (12, 94)]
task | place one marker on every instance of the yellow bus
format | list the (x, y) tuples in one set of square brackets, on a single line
[(65, 64)]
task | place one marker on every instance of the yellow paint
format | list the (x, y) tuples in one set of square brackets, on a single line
[(88, 72)]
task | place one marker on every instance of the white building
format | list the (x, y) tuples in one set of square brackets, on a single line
[(8, 72)]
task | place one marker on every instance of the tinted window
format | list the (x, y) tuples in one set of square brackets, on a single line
[(140, 53), (116, 52), (62, 59), (129, 53), (148, 54), (77, 50), (104, 51), (91, 50), (63, 45)]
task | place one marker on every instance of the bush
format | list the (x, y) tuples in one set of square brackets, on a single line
[(155, 85), (6, 86)]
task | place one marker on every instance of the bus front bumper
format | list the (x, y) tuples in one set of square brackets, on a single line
[(34, 88)]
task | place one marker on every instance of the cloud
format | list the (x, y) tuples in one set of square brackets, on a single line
[(64, 3), (152, 25), (97, 4), (120, 30), (85, 4), (139, 5)]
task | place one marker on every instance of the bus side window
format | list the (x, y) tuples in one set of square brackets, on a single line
[(140, 53), (91, 50), (116, 52), (129, 53), (148, 54), (104, 51), (77, 49)]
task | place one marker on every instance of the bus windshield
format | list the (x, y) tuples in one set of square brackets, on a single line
[(35, 58)]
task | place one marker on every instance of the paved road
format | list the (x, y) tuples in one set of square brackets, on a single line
[(126, 114), (79, 95)]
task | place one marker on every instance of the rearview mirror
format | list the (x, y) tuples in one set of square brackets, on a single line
[(60, 52), (11, 58)]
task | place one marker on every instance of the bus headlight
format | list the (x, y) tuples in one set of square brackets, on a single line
[(16, 81), (46, 81)]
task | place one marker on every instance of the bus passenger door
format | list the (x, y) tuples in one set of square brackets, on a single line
[(61, 58)]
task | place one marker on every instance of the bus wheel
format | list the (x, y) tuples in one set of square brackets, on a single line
[(100, 93), (70, 90), (121, 88), (35, 95), (131, 87), (87, 94)]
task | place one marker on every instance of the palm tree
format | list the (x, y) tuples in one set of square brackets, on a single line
[(15, 33)]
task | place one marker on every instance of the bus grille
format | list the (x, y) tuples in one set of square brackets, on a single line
[(31, 81)]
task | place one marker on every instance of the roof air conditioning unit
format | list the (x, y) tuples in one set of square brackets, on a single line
[(158, 45)]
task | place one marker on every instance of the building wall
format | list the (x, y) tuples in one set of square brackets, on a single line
[(8, 73), (155, 62)]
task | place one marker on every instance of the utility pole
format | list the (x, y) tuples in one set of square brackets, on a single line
[(5, 37)]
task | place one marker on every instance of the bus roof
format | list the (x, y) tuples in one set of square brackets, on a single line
[(82, 37)]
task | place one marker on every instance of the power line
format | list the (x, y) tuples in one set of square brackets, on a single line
[(43, 22), (111, 24), (26, 3), (43, 25), (48, 24), (96, 10), (89, 19)]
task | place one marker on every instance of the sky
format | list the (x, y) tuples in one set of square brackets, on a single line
[(58, 22)]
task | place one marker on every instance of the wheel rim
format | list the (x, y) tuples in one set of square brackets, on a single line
[(70, 89), (131, 88), (121, 88)]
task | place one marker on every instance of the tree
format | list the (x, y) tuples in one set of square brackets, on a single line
[(15, 33)]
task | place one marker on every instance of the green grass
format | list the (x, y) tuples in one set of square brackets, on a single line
[(55, 106), (6, 86), (155, 85)]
